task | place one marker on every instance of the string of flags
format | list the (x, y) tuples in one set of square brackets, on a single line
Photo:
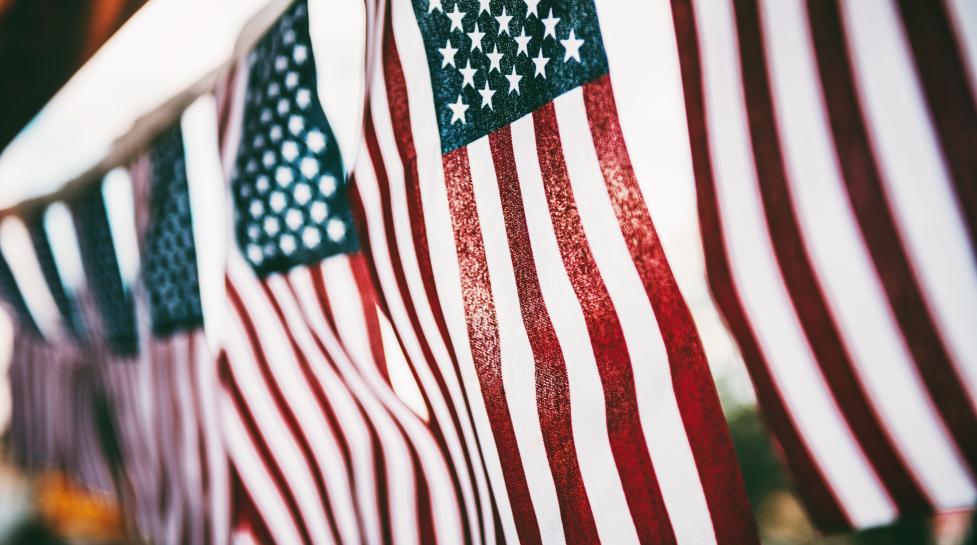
[(429, 297)]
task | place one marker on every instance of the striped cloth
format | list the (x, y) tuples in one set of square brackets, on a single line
[(833, 152), (519, 263), (181, 380), (322, 449)]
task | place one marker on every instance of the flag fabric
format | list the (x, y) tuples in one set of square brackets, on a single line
[(322, 449), (180, 365), (112, 322), (837, 210), (523, 274), (58, 422)]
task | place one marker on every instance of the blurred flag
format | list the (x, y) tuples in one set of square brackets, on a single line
[(524, 275), (833, 149), (57, 422), (322, 449), (182, 380)]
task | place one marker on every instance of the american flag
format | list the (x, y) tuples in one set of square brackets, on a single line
[(833, 151), (59, 422), (181, 367), (522, 271), (321, 447)]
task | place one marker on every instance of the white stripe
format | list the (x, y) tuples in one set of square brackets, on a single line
[(218, 486), (205, 184), (843, 264), (408, 258), (285, 371), (516, 355), (236, 92), (350, 321), (642, 55), (660, 418), (791, 363), (262, 490), (918, 186), (963, 18), (598, 469), (401, 379), (444, 258), (18, 252), (340, 79), (117, 194)]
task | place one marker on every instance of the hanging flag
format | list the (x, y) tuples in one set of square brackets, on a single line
[(522, 270), (180, 365), (322, 449), (837, 212), (57, 423)]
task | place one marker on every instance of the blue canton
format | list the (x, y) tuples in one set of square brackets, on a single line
[(169, 255), (49, 268), (290, 194), (494, 61), (113, 299)]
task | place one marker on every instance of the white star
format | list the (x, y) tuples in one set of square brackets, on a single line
[(523, 42), (476, 37), (468, 75), (456, 17), (447, 54), (311, 237), (503, 21), (540, 61), (434, 5), (550, 23), (531, 7), (483, 5), (494, 59), (514, 81), (572, 47), (486, 95), (458, 110)]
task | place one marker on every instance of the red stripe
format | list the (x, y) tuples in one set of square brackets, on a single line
[(368, 299), (552, 384), (483, 335), (248, 518), (226, 105), (795, 265), (692, 383), (606, 336), (265, 456), (867, 196), (820, 499), (948, 97), (284, 409)]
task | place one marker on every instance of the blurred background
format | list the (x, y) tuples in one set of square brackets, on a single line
[(76, 76)]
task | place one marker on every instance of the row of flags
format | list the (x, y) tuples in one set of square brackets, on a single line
[(444, 311)]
